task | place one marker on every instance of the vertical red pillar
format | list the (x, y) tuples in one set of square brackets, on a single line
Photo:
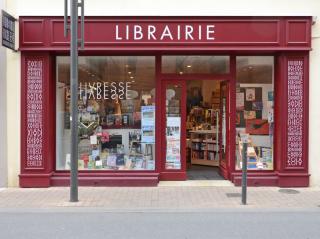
[(293, 110), (37, 120)]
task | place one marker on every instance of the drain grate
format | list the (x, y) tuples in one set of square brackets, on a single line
[(233, 195), (288, 191)]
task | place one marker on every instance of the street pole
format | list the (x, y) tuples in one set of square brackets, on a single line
[(74, 5), (74, 101), (244, 173)]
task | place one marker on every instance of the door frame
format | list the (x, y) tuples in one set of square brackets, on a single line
[(181, 175)]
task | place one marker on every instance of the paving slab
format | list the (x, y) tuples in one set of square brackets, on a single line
[(161, 197)]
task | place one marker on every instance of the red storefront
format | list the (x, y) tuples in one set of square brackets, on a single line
[(159, 94)]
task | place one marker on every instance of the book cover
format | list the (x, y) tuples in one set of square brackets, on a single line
[(257, 127)]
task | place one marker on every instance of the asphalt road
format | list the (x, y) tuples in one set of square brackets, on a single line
[(99, 223)]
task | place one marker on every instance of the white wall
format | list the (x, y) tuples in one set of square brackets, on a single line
[(168, 8), (174, 8), (3, 122), (314, 109)]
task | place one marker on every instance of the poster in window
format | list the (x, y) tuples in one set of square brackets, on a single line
[(240, 101), (173, 132), (257, 105), (148, 124), (270, 95), (250, 94), (249, 115), (257, 127), (173, 128)]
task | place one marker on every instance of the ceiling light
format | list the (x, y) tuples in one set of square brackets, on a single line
[(189, 66), (129, 72), (131, 77)]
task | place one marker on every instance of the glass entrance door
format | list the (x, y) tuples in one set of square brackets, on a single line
[(175, 137), (224, 126)]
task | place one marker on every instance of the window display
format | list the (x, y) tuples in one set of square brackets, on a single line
[(254, 115), (116, 113)]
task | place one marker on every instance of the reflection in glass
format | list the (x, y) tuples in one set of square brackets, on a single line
[(254, 115), (195, 64), (116, 107)]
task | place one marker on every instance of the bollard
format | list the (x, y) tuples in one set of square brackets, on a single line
[(244, 174)]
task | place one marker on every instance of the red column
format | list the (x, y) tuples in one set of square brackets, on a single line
[(292, 121), (37, 120)]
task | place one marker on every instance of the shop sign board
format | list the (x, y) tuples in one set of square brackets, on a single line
[(8, 30)]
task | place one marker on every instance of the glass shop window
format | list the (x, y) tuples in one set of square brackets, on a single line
[(255, 111), (116, 113)]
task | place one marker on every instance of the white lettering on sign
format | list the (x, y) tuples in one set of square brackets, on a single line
[(34, 114), (105, 90), (295, 113), (173, 33)]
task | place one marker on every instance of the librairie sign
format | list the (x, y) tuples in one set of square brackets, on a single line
[(164, 32), (8, 30)]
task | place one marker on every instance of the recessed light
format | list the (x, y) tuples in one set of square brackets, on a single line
[(189, 66), (129, 72), (131, 77)]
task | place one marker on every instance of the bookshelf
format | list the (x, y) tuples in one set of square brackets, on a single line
[(204, 147)]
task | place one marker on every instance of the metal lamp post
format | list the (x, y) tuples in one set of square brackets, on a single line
[(74, 43)]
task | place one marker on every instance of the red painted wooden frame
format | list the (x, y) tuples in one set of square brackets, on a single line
[(42, 38), (230, 33)]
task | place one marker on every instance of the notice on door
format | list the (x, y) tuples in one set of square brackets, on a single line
[(173, 134)]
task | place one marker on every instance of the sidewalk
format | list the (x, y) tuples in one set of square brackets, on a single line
[(161, 197)]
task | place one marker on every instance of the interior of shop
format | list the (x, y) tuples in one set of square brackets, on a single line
[(254, 118), (255, 111), (203, 115)]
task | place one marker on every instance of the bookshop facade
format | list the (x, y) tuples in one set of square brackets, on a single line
[(164, 98)]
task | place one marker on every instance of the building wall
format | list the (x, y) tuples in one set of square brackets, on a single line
[(3, 100), (13, 106), (168, 8)]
